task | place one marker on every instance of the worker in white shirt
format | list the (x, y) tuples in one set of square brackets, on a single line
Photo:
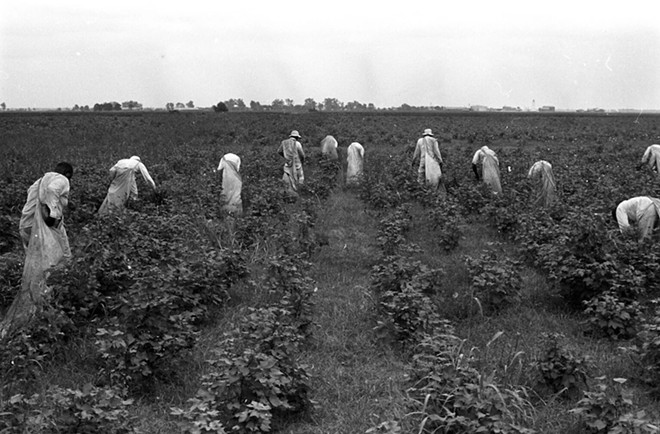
[(490, 168), (643, 211), (546, 189), (232, 183), (123, 186), (652, 158)]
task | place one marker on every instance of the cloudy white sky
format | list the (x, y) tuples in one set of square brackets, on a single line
[(570, 54)]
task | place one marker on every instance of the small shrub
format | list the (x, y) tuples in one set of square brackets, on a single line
[(495, 282), (649, 349), (254, 378), (445, 219), (59, 410), (459, 399), (11, 273), (410, 313), (609, 409), (560, 370), (392, 230), (25, 352), (612, 317)]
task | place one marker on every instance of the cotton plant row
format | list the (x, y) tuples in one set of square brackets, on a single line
[(255, 381), (447, 392)]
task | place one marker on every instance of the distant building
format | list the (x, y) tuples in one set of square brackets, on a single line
[(507, 108), (455, 109), (547, 108), (478, 108)]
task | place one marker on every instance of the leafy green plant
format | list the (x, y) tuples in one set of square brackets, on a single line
[(445, 219), (609, 409), (456, 398), (561, 371), (392, 230), (28, 350), (254, 378), (286, 279), (496, 282), (59, 410), (409, 312), (612, 317), (11, 272), (649, 348)]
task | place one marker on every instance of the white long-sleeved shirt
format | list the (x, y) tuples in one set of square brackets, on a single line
[(538, 167), (481, 153), (427, 145), (54, 193), (652, 157), (632, 210), (135, 165), (292, 151), (329, 147)]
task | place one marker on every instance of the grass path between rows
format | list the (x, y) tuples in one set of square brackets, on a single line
[(356, 380)]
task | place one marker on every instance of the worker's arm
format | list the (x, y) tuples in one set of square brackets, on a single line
[(301, 152), (622, 218), (57, 197), (646, 156), (145, 174), (436, 149)]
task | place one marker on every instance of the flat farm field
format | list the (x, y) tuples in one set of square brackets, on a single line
[(383, 307)]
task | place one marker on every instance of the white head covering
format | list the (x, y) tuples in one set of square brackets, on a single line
[(232, 158), (135, 157)]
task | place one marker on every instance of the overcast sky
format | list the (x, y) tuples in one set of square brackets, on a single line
[(570, 54)]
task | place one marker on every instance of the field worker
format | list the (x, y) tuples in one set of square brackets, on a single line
[(652, 158), (641, 210), (123, 186), (546, 188), (293, 153), (46, 200), (232, 183), (490, 168), (329, 148), (430, 160), (45, 241), (354, 163)]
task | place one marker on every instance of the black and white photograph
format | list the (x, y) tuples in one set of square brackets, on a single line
[(343, 217)]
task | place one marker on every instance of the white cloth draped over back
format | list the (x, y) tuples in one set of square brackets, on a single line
[(54, 193), (644, 211), (490, 168), (329, 148), (232, 183), (354, 159), (123, 186), (652, 157), (47, 246), (546, 188), (429, 160), (293, 153)]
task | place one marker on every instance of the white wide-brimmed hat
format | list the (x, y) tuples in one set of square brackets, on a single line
[(428, 132), (295, 134)]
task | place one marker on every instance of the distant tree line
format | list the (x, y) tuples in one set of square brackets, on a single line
[(277, 105), (288, 105)]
